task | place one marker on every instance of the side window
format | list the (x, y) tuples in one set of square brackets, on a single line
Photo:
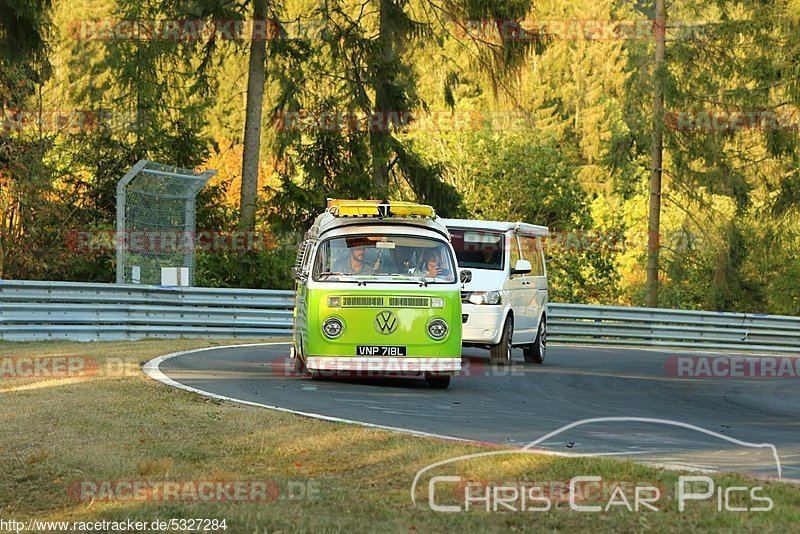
[(514, 250), (541, 255), (531, 251)]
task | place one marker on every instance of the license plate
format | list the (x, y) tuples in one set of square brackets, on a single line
[(380, 350)]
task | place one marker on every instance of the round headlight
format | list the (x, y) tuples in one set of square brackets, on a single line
[(437, 329), (332, 327)]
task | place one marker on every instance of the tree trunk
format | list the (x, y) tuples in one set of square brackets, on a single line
[(256, 76), (379, 134), (654, 223)]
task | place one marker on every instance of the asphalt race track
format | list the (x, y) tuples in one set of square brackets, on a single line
[(520, 405)]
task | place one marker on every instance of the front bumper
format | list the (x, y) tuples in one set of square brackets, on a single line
[(383, 364), (484, 324)]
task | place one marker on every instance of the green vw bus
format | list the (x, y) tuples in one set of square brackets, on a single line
[(377, 292)]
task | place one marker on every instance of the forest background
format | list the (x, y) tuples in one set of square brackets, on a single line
[(542, 112)]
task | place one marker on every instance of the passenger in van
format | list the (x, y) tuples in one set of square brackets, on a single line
[(352, 262), (430, 265), (491, 258)]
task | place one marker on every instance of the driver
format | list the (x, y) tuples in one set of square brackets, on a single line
[(353, 262)]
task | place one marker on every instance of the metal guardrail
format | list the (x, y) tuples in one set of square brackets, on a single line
[(31, 311), (106, 312), (656, 327)]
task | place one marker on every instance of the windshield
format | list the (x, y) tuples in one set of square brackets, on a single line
[(477, 249), (384, 258)]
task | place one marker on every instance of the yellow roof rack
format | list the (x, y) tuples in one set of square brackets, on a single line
[(379, 209)]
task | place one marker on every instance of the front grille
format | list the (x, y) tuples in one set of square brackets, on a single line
[(362, 302), (380, 302), (465, 297), (409, 302)]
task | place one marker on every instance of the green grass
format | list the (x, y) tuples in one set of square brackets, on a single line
[(120, 425)]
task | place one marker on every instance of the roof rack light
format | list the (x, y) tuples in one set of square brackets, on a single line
[(379, 209)]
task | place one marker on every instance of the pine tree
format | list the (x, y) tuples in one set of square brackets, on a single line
[(362, 57), (24, 66)]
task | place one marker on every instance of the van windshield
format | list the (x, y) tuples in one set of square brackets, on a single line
[(479, 249), (384, 258)]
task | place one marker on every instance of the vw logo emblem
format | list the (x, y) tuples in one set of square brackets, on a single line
[(385, 322)]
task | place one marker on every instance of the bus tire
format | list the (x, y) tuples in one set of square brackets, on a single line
[(437, 381), (299, 366)]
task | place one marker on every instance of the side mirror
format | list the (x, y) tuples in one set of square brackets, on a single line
[(465, 276), (522, 267), (297, 273)]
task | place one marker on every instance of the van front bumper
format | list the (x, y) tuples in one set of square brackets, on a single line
[(484, 324), (379, 364)]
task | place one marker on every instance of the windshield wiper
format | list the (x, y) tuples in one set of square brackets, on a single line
[(327, 274), (348, 277)]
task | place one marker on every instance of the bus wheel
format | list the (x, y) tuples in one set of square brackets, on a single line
[(535, 353), (500, 354), (437, 381), (299, 365)]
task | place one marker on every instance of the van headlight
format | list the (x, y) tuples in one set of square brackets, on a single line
[(332, 327), (437, 329), (485, 297)]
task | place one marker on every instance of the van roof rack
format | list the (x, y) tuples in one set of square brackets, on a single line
[(382, 209), (499, 226)]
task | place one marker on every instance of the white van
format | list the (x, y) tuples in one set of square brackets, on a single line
[(505, 303)]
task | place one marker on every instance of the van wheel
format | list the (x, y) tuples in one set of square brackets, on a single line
[(437, 381), (299, 365), (535, 353), (500, 354)]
